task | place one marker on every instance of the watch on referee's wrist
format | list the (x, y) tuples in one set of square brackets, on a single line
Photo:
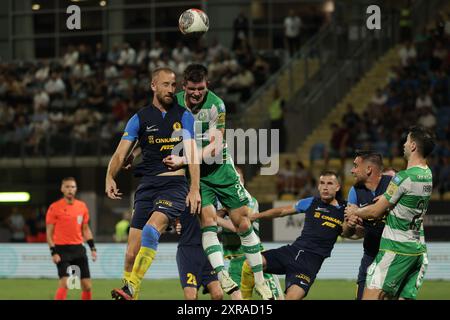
[(53, 251), (91, 244)]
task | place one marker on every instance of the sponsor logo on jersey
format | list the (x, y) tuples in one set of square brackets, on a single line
[(303, 276), (202, 115), (177, 126), (164, 203), (151, 139), (392, 189), (151, 128)]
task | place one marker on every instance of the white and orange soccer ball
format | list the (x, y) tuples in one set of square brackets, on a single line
[(193, 22)]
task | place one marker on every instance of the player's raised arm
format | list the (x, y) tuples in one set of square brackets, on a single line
[(119, 156), (300, 207), (216, 132), (352, 228), (193, 199)]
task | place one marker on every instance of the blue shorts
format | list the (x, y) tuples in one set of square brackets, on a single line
[(164, 194), (366, 261), (299, 266), (194, 268)]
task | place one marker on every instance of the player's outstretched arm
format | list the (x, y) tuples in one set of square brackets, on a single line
[(135, 153), (193, 199), (274, 213), (116, 162), (352, 228), (374, 211), (215, 145)]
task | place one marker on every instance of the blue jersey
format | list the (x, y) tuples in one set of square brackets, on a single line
[(158, 133), (361, 196), (323, 224), (191, 234)]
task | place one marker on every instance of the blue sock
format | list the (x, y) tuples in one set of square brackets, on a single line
[(150, 237)]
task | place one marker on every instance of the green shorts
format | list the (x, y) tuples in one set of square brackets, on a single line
[(396, 274), (235, 271), (223, 184)]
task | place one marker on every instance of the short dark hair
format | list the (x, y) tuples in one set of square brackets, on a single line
[(372, 156), (68, 179), (424, 140), (195, 72), (328, 173)]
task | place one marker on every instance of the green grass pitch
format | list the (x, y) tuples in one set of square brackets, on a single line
[(44, 289)]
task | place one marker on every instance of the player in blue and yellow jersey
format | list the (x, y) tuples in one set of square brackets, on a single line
[(193, 265), (370, 183), (162, 194), (302, 260)]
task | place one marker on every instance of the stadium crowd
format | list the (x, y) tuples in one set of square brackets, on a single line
[(417, 91), (65, 105)]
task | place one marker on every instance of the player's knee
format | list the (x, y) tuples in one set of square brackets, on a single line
[(86, 285), (63, 283), (150, 237), (190, 294), (217, 293)]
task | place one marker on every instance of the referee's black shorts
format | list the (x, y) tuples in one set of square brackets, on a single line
[(72, 255)]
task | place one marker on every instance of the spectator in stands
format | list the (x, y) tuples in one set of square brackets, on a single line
[(55, 85), (286, 179), (276, 111), (424, 100), (444, 177), (380, 98), (310, 187), (339, 141), (350, 118), (70, 58), (81, 70), (43, 71), (156, 51), (261, 70), (427, 119), (405, 21), (16, 224), (240, 29), (407, 53), (100, 56), (114, 54), (241, 81), (181, 53), (127, 55), (122, 228), (301, 175), (142, 55), (40, 99), (215, 50), (292, 26)]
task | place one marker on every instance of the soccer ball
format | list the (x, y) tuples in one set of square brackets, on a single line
[(193, 22)]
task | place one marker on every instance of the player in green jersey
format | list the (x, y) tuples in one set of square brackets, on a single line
[(234, 252), (400, 265), (218, 180)]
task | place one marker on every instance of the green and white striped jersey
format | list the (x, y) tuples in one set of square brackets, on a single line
[(410, 191)]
